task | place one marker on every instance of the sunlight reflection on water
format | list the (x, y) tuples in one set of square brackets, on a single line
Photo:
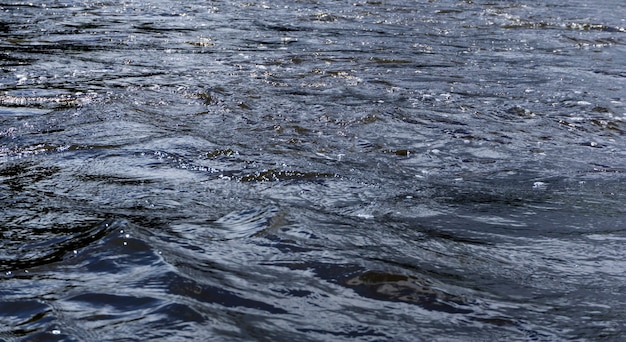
[(313, 171)]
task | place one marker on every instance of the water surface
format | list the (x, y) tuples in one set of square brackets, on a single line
[(373, 170)]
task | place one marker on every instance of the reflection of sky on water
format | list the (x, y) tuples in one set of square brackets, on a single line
[(312, 170)]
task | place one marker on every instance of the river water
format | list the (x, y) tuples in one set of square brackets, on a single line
[(312, 170)]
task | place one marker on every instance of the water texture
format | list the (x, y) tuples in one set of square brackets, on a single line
[(312, 170)]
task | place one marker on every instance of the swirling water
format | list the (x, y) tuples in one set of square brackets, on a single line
[(369, 170)]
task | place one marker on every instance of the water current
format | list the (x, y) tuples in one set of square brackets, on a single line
[(307, 170)]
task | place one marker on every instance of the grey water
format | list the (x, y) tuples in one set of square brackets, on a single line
[(307, 170)]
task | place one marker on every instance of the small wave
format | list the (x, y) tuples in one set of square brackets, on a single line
[(47, 102), (411, 289), (55, 248), (278, 175), (249, 222)]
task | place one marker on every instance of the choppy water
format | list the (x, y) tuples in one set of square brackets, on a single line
[(370, 170)]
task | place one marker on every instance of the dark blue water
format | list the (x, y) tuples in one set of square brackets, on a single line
[(319, 171)]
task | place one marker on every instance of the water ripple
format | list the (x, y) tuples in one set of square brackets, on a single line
[(232, 170)]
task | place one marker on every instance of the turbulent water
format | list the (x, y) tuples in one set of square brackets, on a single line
[(312, 170)]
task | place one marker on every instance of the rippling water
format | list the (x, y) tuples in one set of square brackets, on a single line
[(370, 170)]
